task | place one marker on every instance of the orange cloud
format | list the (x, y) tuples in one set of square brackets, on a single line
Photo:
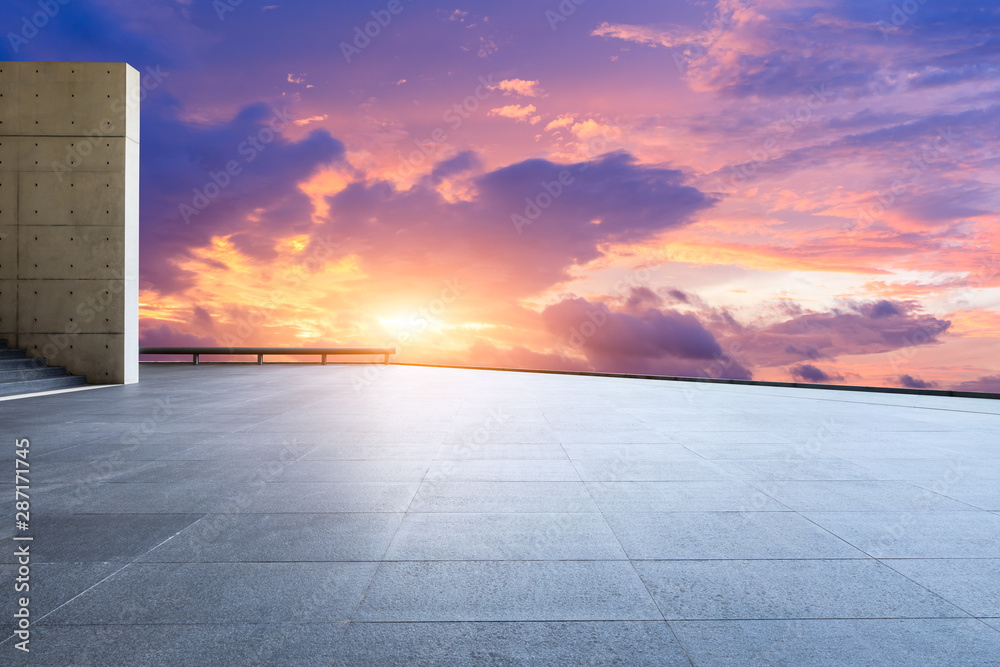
[(975, 322), (517, 112), (565, 120), (762, 257), (519, 87), (324, 183)]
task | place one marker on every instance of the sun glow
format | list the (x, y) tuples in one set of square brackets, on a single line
[(413, 325)]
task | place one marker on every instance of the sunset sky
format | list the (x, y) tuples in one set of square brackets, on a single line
[(768, 189)]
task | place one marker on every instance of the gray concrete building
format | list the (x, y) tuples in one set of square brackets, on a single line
[(69, 215)]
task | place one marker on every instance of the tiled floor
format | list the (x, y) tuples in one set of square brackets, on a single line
[(238, 515)]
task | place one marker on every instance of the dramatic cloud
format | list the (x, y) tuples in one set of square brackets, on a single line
[(238, 178), (526, 226), (872, 327), (646, 339)]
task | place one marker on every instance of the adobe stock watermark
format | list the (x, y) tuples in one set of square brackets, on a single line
[(899, 17), (562, 12), (729, 355), (205, 536), (723, 361), (78, 150), (712, 31), (770, 149), (927, 501), (453, 289), (912, 172), (621, 469), (473, 443), (257, 315), (363, 35), (989, 268), (48, 10), (22, 543), (223, 7), (249, 149), (911, 344), (86, 311), (598, 317), (551, 190), (138, 435), (803, 453), (455, 116)]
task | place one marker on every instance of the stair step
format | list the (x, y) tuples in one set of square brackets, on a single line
[(44, 384), (20, 374), (21, 364)]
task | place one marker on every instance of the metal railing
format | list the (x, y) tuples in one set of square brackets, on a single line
[(196, 352)]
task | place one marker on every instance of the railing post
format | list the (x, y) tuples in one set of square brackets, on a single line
[(260, 359), (324, 360), (195, 359)]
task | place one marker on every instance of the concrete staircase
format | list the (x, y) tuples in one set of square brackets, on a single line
[(21, 375)]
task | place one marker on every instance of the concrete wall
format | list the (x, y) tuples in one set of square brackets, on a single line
[(69, 215)]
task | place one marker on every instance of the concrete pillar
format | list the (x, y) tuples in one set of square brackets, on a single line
[(69, 215)]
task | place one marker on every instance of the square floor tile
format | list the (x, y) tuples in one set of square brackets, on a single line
[(537, 643), (973, 584), (507, 591), (730, 496), (204, 593), (916, 534), (517, 497), (703, 535), (305, 537), (532, 536), (834, 643), (784, 589)]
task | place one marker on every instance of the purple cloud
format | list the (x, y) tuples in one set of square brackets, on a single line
[(205, 180), (986, 384), (866, 327), (648, 340), (915, 383), (810, 373), (571, 210), (165, 335)]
